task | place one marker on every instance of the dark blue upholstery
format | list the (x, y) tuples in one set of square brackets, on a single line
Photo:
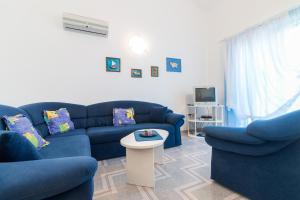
[(108, 134), (35, 111), (107, 150), (101, 114), (78, 145), (244, 148), (158, 114), (261, 161), (105, 141), (66, 169), (173, 118), (286, 127), (39, 179), (83, 191), (69, 133), (238, 135), (15, 147)]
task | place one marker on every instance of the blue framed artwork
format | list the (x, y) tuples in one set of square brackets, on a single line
[(173, 65), (113, 64), (136, 73)]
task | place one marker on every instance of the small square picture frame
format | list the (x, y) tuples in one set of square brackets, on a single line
[(173, 64), (136, 73), (113, 64), (154, 71)]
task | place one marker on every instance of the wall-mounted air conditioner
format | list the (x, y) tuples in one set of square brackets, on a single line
[(85, 24)]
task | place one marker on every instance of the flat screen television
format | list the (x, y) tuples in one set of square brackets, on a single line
[(205, 95)]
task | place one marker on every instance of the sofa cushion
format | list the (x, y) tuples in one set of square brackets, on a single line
[(123, 116), (14, 147), (35, 111), (68, 146), (58, 121), (9, 111), (23, 126), (107, 134)]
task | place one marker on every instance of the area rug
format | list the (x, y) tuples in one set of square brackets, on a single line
[(185, 175)]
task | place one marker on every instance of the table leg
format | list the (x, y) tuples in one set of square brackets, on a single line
[(140, 167), (158, 154)]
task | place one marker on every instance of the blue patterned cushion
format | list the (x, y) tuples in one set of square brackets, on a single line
[(58, 121), (123, 116), (21, 125)]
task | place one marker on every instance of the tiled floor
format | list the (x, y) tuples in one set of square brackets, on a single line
[(185, 175)]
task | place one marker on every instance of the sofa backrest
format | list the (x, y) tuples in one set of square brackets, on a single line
[(95, 115), (78, 114), (101, 114), (9, 111)]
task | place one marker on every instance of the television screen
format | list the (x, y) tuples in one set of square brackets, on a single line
[(205, 95)]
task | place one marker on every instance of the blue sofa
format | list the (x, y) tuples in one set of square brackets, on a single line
[(261, 161), (67, 168)]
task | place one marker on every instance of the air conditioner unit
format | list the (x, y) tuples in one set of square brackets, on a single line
[(85, 24)]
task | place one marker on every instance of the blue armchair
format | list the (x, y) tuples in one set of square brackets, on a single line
[(261, 161)]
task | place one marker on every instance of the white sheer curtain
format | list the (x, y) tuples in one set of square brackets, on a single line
[(263, 69)]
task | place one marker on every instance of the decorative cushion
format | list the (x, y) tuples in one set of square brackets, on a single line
[(58, 121), (158, 114), (21, 125), (123, 116), (14, 147)]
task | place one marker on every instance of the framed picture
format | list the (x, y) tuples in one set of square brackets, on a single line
[(173, 65), (154, 71), (136, 73), (113, 64)]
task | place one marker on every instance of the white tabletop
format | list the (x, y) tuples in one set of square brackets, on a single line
[(130, 142)]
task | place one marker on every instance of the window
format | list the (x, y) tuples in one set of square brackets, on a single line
[(292, 47), (263, 70)]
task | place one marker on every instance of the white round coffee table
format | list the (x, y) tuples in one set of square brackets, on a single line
[(141, 156)]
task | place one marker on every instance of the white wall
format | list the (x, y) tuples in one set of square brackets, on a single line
[(230, 17), (39, 61)]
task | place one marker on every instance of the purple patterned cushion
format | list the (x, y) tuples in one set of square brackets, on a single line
[(58, 121), (123, 116), (21, 125)]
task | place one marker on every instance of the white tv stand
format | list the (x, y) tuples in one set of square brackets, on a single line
[(195, 119)]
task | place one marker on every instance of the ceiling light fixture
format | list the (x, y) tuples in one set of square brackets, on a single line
[(138, 45)]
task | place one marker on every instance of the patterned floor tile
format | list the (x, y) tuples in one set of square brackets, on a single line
[(185, 175)]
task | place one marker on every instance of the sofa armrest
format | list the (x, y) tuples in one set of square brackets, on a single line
[(283, 128), (237, 135), (39, 179), (173, 118)]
